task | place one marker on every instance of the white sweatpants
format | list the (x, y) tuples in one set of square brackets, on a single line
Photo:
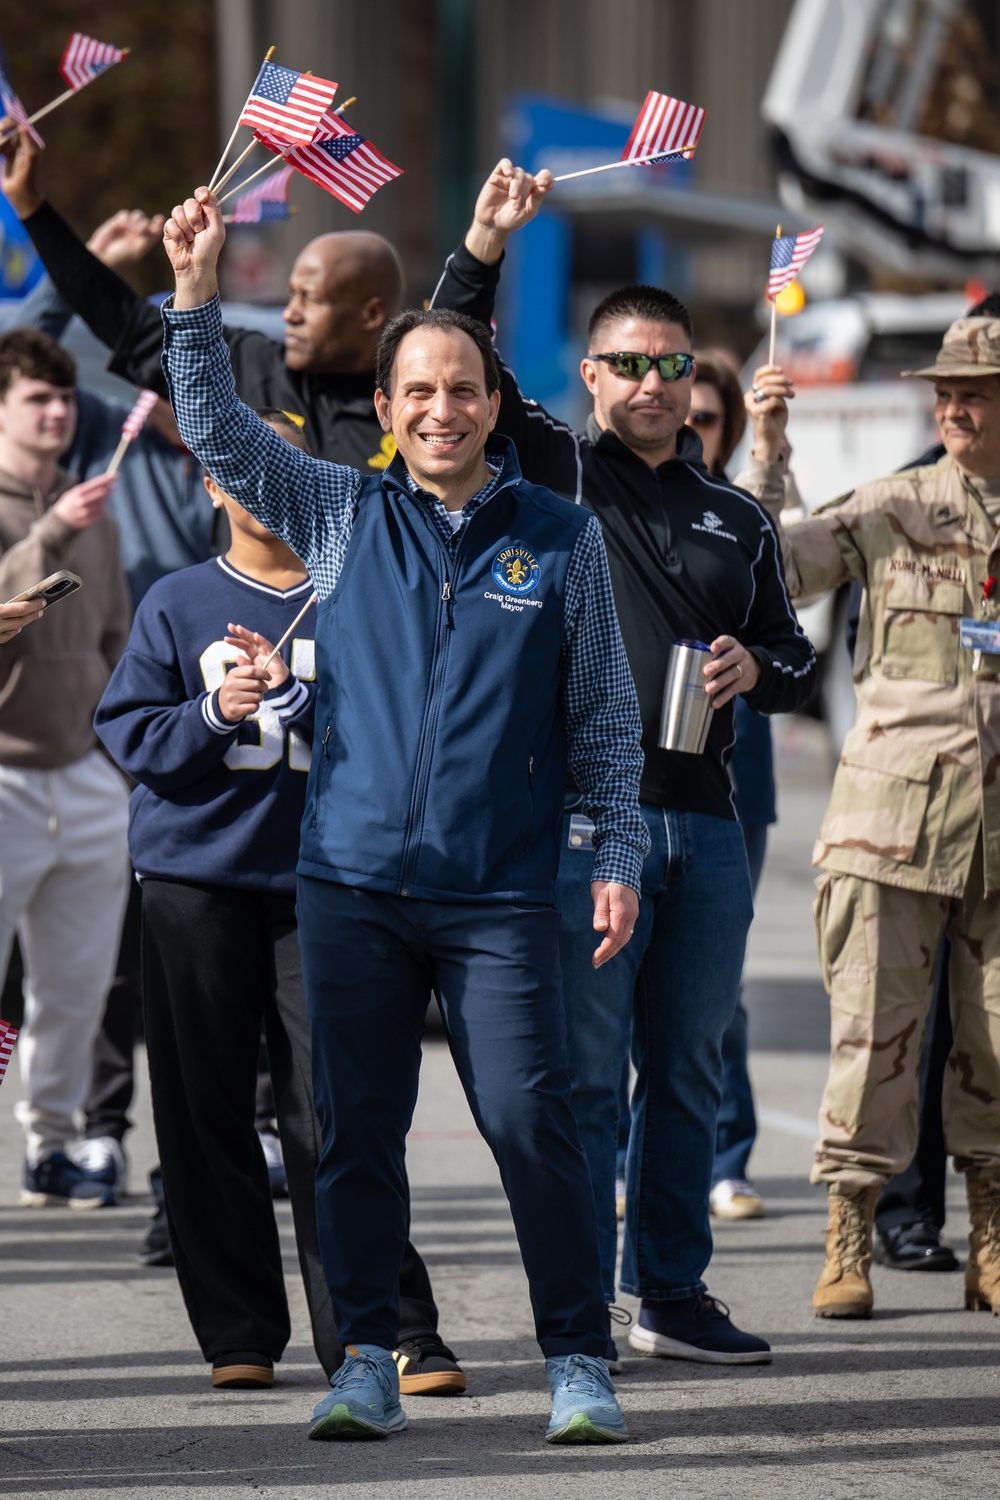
[(64, 873)]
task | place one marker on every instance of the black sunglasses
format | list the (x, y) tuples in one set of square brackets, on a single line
[(637, 366), (704, 418)]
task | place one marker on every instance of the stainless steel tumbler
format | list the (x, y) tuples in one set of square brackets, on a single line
[(686, 716)]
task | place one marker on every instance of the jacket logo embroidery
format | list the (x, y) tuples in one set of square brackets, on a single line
[(712, 525), (515, 571), (386, 453)]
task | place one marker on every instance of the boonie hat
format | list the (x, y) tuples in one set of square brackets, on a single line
[(971, 347)]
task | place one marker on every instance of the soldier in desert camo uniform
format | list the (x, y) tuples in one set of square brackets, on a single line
[(910, 844)]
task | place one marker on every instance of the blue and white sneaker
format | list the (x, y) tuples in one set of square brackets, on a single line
[(697, 1328), (59, 1182), (584, 1405), (364, 1397)]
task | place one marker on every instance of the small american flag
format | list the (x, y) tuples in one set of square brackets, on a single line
[(136, 419), (662, 126), (339, 160), (290, 104), (789, 253), (84, 58), (12, 105), (8, 1036), (265, 200)]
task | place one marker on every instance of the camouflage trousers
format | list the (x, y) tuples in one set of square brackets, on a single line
[(877, 947)]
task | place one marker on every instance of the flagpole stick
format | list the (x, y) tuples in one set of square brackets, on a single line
[(235, 166), (269, 166), (611, 165), (47, 109), (118, 455), (314, 599), (774, 314), (276, 161), (229, 145)]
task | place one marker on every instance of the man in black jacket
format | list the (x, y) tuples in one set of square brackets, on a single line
[(690, 556), (342, 290)]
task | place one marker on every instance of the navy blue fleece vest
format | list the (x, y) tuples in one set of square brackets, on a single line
[(439, 753)]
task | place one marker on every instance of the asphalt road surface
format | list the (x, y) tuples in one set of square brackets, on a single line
[(104, 1393)]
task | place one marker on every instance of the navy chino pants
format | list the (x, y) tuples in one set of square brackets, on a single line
[(369, 963)]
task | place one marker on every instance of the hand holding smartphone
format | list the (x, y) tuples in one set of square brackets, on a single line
[(29, 605)]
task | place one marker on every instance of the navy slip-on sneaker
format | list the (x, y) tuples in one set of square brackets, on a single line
[(697, 1328)]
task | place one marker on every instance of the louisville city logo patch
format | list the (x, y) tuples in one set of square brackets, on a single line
[(515, 571)]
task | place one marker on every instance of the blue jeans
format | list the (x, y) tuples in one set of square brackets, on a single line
[(674, 989), (369, 962), (736, 1128)]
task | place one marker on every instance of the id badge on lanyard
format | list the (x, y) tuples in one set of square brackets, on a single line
[(980, 636)]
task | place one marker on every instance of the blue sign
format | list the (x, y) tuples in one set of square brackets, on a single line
[(20, 267)]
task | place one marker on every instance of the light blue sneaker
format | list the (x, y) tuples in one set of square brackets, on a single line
[(584, 1405), (364, 1399)]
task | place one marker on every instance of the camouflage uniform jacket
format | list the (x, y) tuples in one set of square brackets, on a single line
[(920, 771)]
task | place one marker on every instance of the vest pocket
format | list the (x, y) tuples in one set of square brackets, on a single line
[(880, 797), (529, 828), (920, 624), (322, 778)]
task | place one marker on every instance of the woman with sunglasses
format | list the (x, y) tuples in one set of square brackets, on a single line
[(689, 556)]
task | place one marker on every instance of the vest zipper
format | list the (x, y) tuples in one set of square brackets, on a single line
[(448, 599), (414, 826)]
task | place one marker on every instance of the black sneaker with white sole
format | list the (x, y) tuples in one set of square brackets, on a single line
[(697, 1328), (427, 1367)]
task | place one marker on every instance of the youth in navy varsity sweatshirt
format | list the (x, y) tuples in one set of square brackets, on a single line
[(217, 803)]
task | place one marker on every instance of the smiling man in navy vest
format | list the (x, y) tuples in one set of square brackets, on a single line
[(467, 644)]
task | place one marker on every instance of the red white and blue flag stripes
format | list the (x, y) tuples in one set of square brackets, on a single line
[(12, 105), (289, 104), (339, 160), (84, 58), (789, 253), (662, 127), (8, 1036), (265, 202), (136, 419)]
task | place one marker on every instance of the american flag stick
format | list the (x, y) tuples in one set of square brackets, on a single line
[(313, 599), (229, 146), (276, 161), (774, 313), (47, 109), (235, 166), (118, 455), (269, 166), (639, 161)]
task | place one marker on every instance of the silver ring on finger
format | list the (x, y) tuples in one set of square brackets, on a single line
[(758, 395), (739, 670)]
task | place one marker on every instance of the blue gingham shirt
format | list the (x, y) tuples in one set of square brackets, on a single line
[(312, 505)]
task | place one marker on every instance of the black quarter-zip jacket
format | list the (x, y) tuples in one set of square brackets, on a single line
[(337, 411), (689, 555)]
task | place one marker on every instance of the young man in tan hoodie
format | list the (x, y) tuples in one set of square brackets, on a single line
[(63, 806)]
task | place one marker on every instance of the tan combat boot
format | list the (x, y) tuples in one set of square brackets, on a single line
[(982, 1270), (843, 1289)]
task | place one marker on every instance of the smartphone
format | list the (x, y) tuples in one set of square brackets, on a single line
[(56, 586)]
